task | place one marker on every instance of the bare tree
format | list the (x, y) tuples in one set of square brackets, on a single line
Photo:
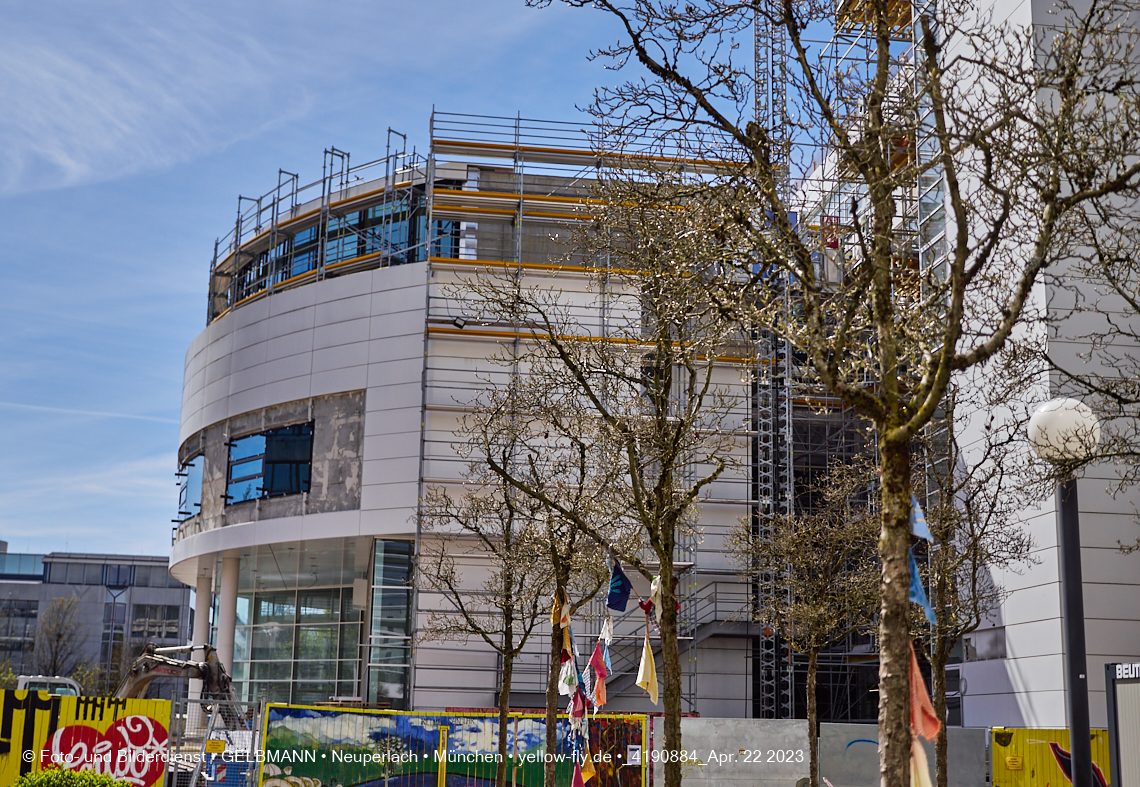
[(1024, 133), (577, 573), (1095, 312), (972, 507), (825, 563), (501, 438), (623, 425), (60, 638), (506, 534)]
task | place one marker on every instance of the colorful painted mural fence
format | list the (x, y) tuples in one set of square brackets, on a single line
[(347, 747), (123, 738), (1036, 758)]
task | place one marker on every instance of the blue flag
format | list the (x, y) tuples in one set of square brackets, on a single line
[(918, 524), (620, 588), (918, 592)]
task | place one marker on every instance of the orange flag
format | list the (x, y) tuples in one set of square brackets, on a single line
[(923, 720)]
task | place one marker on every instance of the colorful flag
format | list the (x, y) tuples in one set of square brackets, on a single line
[(918, 524), (918, 592), (620, 588), (647, 671), (923, 720)]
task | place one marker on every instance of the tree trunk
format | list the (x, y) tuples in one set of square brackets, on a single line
[(938, 671), (812, 719), (504, 712), (549, 777), (894, 622), (671, 663)]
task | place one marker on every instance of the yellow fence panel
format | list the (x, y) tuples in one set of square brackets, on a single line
[(1033, 758), (123, 738)]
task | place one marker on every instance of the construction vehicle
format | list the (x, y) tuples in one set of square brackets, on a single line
[(61, 687), (155, 663), (152, 663)]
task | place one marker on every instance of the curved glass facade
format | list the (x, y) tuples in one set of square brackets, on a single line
[(394, 232), (301, 615)]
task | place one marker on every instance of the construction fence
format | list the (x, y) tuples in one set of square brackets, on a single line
[(147, 743), (126, 739), (347, 746)]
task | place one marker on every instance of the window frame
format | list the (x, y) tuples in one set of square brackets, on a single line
[(193, 467), (263, 461)]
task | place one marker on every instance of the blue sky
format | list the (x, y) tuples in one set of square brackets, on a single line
[(127, 130)]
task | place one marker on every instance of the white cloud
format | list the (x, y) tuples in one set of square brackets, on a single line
[(95, 413), (95, 91), (148, 479), (110, 91)]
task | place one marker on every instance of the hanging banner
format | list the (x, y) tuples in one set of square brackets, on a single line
[(125, 739)]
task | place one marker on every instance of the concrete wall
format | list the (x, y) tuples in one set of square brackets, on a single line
[(338, 439), (739, 751), (849, 755)]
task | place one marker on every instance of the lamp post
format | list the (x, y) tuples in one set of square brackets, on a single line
[(1062, 432)]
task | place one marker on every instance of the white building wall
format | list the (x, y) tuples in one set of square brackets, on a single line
[(1017, 677), (362, 331)]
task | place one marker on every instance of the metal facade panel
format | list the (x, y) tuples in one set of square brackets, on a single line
[(1128, 730)]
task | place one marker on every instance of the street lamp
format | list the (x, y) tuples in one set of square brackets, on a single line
[(1062, 432)]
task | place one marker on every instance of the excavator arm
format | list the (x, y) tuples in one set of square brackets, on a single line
[(155, 663)]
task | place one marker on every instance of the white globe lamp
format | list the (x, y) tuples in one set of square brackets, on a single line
[(1063, 430)]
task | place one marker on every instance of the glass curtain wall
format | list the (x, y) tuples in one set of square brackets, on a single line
[(302, 607), (396, 230)]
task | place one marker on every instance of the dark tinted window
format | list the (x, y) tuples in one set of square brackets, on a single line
[(154, 621), (118, 576), (392, 563), (272, 463)]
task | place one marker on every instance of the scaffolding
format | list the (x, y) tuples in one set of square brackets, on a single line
[(523, 183), (508, 190), (818, 427), (503, 194), (352, 219)]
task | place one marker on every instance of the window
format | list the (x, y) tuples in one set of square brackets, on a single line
[(18, 632), (16, 566), (389, 641), (301, 644), (445, 239), (269, 464), (114, 621), (76, 574), (190, 488), (154, 621), (117, 576)]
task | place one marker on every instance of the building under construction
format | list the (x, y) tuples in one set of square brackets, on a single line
[(324, 397)]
